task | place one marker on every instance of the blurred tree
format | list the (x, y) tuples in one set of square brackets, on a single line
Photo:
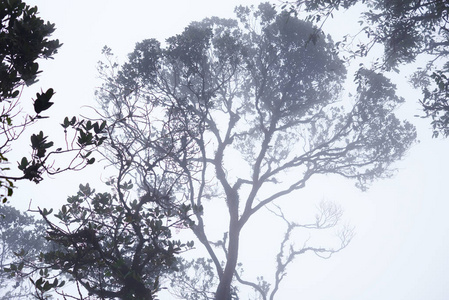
[(241, 113), (24, 38), (21, 239), (194, 279), (406, 29), (328, 216)]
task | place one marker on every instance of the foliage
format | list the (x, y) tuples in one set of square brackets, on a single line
[(435, 100), (241, 113), (194, 280), (21, 240), (24, 38), (111, 246), (405, 29)]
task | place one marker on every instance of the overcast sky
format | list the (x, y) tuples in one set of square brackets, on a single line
[(401, 246)]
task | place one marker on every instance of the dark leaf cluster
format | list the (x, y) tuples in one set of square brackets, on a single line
[(24, 38), (114, 248), (89, 135)]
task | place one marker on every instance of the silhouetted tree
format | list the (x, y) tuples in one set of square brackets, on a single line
[(118, 244), (111, 246), (243, 113)]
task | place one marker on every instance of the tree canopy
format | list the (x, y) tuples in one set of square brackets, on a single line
[(405, 29), (229, 107)]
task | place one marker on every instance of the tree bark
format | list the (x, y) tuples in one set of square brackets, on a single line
[(224, 287)]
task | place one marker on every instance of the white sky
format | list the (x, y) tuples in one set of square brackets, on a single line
[(401, 246)]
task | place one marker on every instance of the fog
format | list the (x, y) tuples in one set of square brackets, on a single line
[(401, 230)]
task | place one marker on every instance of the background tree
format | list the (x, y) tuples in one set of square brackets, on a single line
[(246, 111), (195, 279), (405, 29), (24, 39), (21, 239)]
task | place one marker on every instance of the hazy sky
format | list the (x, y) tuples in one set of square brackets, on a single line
[(401, 246)]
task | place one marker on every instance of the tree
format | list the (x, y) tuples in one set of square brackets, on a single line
[(24, 39), (21, 239), (110, 246), (195, 278), (405, 29), (243, 113), (118, 244)]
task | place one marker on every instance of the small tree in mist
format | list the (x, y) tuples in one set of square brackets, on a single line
[(327, 218), (241, 113), (21, 239), (195, 278)]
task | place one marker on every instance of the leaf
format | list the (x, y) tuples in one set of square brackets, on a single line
[(46, 212), (42, 101), (23, 163), (66, 123)]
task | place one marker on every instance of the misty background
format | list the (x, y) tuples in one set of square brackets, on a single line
[(401, 224)]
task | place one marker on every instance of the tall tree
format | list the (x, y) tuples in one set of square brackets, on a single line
[(405, 29), (244, 112), (24, 39)]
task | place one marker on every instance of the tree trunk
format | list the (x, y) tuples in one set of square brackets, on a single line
[(224, 287)]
